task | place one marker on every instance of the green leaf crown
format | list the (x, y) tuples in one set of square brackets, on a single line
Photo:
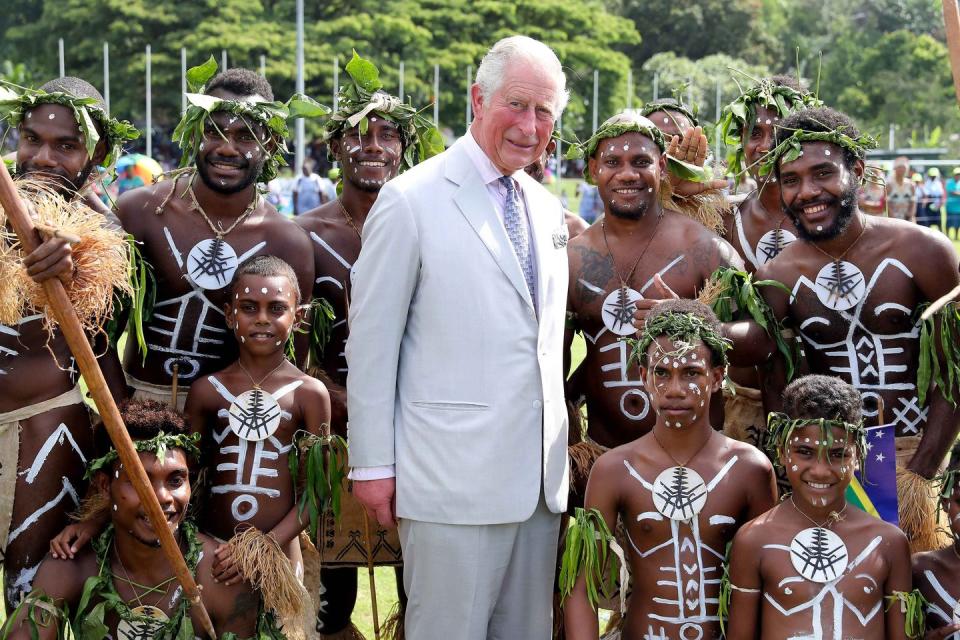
[(157, 445)]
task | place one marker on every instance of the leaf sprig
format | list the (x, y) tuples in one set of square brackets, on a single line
[(587, 551)]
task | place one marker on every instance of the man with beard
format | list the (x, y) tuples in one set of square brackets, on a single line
[(45, 435), (537, 170), (368, 159), (640, 251), (198, 226), (855, 285), (102, 592)]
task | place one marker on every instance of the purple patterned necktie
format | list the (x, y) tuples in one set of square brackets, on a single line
[(518, 233)]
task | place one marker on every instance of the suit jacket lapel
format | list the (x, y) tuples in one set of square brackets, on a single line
[(474, 203)]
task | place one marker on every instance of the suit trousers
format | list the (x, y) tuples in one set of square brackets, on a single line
[(480, 582)]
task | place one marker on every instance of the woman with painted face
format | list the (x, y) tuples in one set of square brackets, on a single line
[(682, 490), (937, 573), (123, 586), (813, 566)]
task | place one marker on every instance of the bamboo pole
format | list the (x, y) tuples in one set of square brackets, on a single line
[(951, 20), (371, 575), (80, 347)]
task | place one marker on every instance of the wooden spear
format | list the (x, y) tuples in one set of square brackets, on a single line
[(76, 339), (951, 20)]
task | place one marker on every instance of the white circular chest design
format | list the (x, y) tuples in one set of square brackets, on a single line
[(840, 285), (618, 309), (772, 243), (148, 625), (254, 415), (679, 493), (818, 554), (212, 263)]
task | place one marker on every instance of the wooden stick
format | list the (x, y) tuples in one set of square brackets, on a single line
[(79, 345), (951, 20), (370, 573), (940, 303), (173, 386)]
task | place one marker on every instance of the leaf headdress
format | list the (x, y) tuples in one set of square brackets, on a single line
[(157, 445), (780, 427), (363, 96), (274, 116), (16, 103), (792, 148), (675, 105), (742, 114), (684, 330), (625, 122)]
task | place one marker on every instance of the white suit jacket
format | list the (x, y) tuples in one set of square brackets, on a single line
[(452, 377)]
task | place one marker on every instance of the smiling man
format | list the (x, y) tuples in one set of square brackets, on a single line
[(615, 266), (856, 284), (196, 229), (457, 420), (682, 490)]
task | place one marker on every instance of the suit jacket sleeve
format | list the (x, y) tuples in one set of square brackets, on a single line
[(383, 279)]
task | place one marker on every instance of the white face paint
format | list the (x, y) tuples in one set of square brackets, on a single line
[(826, 152), (263, 290), (248, 155), (52, 116)]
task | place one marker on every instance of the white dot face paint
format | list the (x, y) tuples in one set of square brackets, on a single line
[(201, 146), (666, 121), (373, 119), (279, 342), (243, 339), (768, 120), (626, 147), (826, 152), (819, 227), (248, 155), (353, 149), (232, 120), (52, 116), (794, 467), (649, 189), (30, 115), (246, 289), (263, 290)]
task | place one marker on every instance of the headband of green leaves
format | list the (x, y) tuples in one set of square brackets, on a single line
[(792, 147), (157, 445), (685, 330), (742, 114), (625, 122), (274, 116), (16, 103), (363, 96), (677, 106), (780, 428)]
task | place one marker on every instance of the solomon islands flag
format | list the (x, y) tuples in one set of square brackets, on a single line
[(877, 494)]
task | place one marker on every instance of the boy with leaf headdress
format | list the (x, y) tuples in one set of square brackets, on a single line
[(373, 136), (681, 490), (65, 135)]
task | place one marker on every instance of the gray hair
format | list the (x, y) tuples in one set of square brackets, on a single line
[(494, 65)]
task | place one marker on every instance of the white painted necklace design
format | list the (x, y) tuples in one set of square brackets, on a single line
[(147, 622), (211, 263), (772, 243), (620, 304), (840, 285), (255, 414), (817, 553), (679, 492)]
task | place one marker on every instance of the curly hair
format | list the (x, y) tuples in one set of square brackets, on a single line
[(267, 267), (80, 88), (144, 419), (242, 82), (826, 397), (788, 81), (693, 308), (819, 119)]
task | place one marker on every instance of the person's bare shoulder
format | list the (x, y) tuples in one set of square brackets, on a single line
[(63, 579), (312, 390), (318, 220), (137, 207), (757, 532), (747, 455)]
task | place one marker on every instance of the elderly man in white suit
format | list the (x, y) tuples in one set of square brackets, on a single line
[(455, 389)]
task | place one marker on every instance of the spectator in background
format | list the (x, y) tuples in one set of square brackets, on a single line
[(933, 194), (873, 196), (307, 190), (918, 196), (128, 180), (901, 192), (328, 185), (953, 205), (590, 204)]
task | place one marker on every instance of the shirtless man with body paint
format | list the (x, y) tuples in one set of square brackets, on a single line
[(682, 490), (41, 399)]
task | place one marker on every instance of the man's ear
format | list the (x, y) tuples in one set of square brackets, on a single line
[(476, 101), (228, 315), (100, 152), (101, 482), (858, 170), (336, 147), (592, 168), (716, 382)]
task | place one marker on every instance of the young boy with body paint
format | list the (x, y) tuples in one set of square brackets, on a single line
[(813, 566), (937, 573), (682, 490), (248, 415)]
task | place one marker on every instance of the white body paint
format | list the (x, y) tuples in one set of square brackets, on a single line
[(9, 353), (947, 610), (767, 247), (186, 344), (340, 285), (829, 596), (691, 607), (248, 486), (862, 355)]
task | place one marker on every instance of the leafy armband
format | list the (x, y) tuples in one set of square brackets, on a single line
[(939, 334), (139, 305), (587, 551), (734, 293), (913, 605), (324, 460), (38, 610)]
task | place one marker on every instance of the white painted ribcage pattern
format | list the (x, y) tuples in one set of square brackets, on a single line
[(862, 356), (695, 567), (323, 244), (61, 437), (187, 342), (830, 597), (262, 452), (946, 608), (633, 388), (8, 353)]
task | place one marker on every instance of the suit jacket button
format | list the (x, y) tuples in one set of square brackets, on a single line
[(537, 404)]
